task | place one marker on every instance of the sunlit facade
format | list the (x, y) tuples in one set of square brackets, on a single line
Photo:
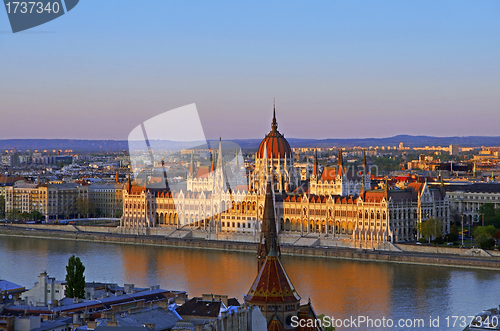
[(335, 202)]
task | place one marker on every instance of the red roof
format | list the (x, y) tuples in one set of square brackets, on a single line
[(329, 173), (137, 189), (276, 144), (275, 325), (272, 284), (372, 196), (417, 187), (10, 180), (203, 172)]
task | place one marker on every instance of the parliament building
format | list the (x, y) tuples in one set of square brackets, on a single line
[(334, 202)]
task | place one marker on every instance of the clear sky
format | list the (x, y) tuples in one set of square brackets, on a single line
[(338, 69)]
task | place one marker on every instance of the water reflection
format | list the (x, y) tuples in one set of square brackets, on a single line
[(337, 288)]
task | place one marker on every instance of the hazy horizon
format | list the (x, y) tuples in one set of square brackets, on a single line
[(256, 138)]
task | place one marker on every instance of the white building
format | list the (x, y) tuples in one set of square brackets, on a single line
[(45, 291)]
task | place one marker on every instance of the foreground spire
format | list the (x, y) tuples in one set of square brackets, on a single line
[(268, 234)]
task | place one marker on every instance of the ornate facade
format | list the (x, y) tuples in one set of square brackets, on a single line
[(339, 180), (372, 216), (274, 162), (336, 202)]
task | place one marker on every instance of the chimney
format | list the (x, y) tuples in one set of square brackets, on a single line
[(76, 320)]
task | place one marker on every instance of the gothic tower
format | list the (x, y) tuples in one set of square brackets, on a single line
[(268, 234), (274, 160)]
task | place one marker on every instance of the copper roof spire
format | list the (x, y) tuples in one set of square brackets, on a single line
[(268, 234), (191, 170), (274, 125), (212, 168), (364, 161), (129, 184), (340, 164), (315, 170)]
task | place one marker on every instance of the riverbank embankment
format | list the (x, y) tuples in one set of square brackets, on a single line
[(408, 254)]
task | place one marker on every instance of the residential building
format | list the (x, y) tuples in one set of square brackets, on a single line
[(45, 292), (53, 201), (466, 199), (107, 198)]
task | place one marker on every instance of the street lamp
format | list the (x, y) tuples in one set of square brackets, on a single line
[(462, 230), (468, 232)]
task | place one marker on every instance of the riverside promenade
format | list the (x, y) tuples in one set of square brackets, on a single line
[(307, 246)]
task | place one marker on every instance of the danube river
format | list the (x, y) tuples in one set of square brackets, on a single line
[(337, 288)]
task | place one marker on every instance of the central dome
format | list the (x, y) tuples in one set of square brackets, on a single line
[(277, 146)]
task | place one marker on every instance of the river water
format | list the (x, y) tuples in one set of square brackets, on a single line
[(337, 288)]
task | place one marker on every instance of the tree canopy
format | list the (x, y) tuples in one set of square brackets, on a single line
[(430, 228), (490, 214), (484, 236)]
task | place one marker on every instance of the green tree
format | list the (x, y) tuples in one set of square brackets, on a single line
[(13, 215), (75, 280), (453, 235), (432, 228), (326, 321), (84, 206), (483, 236), (2, 205), (36, 215), (490, 215)]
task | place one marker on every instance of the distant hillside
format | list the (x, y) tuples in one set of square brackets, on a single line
[(119, 145), (408, 141), (63, 144)]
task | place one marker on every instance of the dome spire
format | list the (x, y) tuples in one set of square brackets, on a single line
[(274, 125)]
